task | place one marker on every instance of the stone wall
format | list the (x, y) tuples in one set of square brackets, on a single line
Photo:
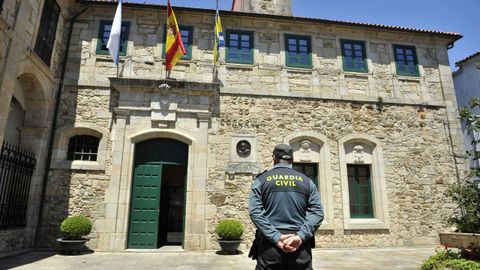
[(24, 76), (417, 161)]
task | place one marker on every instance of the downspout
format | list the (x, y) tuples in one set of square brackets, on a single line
[(58, 96), (447, 123)]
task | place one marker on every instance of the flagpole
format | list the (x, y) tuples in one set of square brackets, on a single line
[(167, 72)]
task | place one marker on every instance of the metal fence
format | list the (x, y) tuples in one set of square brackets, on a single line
[(16, 170)]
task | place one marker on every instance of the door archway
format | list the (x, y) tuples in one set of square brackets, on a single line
[(157, 212)]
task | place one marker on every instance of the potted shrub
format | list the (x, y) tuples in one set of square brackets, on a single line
[(74, 230), (230, 232)]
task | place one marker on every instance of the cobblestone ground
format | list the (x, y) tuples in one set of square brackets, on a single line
[(346, 259)]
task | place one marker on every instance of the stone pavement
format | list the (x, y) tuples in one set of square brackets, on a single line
[(331, 259)]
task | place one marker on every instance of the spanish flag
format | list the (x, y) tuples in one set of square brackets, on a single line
[(174, 49)]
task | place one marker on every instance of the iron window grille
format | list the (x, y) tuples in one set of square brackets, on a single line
[(406, 60), (360, 191), (239, 47), (298, 51), (47, 31), (104, 34), (16, 170), (187, 38), (354, 56), (83, 147)]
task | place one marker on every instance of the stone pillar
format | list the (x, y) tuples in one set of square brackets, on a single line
[(196, 224), (34, 139), (111, 229)]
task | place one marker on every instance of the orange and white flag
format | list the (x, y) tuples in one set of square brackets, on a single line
[(174, 49)]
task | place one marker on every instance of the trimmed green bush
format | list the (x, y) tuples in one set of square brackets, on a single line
[(75, 227), (230, 229), (449, 260)]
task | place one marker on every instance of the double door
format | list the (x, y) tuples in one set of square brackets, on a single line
[(157, 205)]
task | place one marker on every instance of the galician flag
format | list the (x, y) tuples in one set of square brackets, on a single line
[(113, 43), (219, 39), (174, 49)]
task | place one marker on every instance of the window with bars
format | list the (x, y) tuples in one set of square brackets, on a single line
[(360, 191), (298, 51), (354, 56), (239, 47), (309, 169), (406, 60), (47, 31), (104, 34), (187, 39), (83, 147)]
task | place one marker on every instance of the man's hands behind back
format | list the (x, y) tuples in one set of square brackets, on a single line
[(289, 242)]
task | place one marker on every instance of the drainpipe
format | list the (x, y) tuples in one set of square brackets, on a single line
[(54, 126)]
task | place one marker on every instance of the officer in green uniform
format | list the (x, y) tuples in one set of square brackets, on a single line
[(285, 207)]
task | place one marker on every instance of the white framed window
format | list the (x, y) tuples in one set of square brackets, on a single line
[(364, 194), (311, 155)]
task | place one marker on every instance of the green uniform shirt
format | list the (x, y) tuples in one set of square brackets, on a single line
[(284, 199)]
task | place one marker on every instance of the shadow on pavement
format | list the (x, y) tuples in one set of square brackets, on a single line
[(32, 257)]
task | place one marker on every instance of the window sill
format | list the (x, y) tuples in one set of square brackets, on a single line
[(78, 165), (356, 74), (306, 70), (408, 78), (240, 66), (108, 58), (365, 224)]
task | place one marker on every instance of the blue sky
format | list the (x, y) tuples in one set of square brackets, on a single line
[(461, 16)]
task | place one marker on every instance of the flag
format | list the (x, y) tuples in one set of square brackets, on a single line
[(237, 5), (174, 49), (113, 43), (219, 39)]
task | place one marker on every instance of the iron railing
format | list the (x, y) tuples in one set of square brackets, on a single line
[(16, 170)]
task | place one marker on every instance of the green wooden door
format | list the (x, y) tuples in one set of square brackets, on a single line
[(144, 213)]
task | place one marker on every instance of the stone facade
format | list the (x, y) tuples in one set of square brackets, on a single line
[(404, 128), (402, 119), (30, 84)]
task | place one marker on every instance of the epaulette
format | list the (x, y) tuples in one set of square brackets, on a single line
[(261, 173)]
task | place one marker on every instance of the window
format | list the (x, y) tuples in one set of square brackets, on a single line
[(187, 39), (360, 191), (47, 30), (309, 169), (104, 34), (83, 147), (406, 60), (239, 47), (354, 56), (298, 51)]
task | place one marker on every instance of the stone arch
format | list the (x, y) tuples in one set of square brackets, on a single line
[(32, 94), (369, 152), (159, 133), (319, 153)]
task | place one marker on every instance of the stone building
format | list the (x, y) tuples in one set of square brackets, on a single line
[(467, 85), (31, 50), (370, 111)]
